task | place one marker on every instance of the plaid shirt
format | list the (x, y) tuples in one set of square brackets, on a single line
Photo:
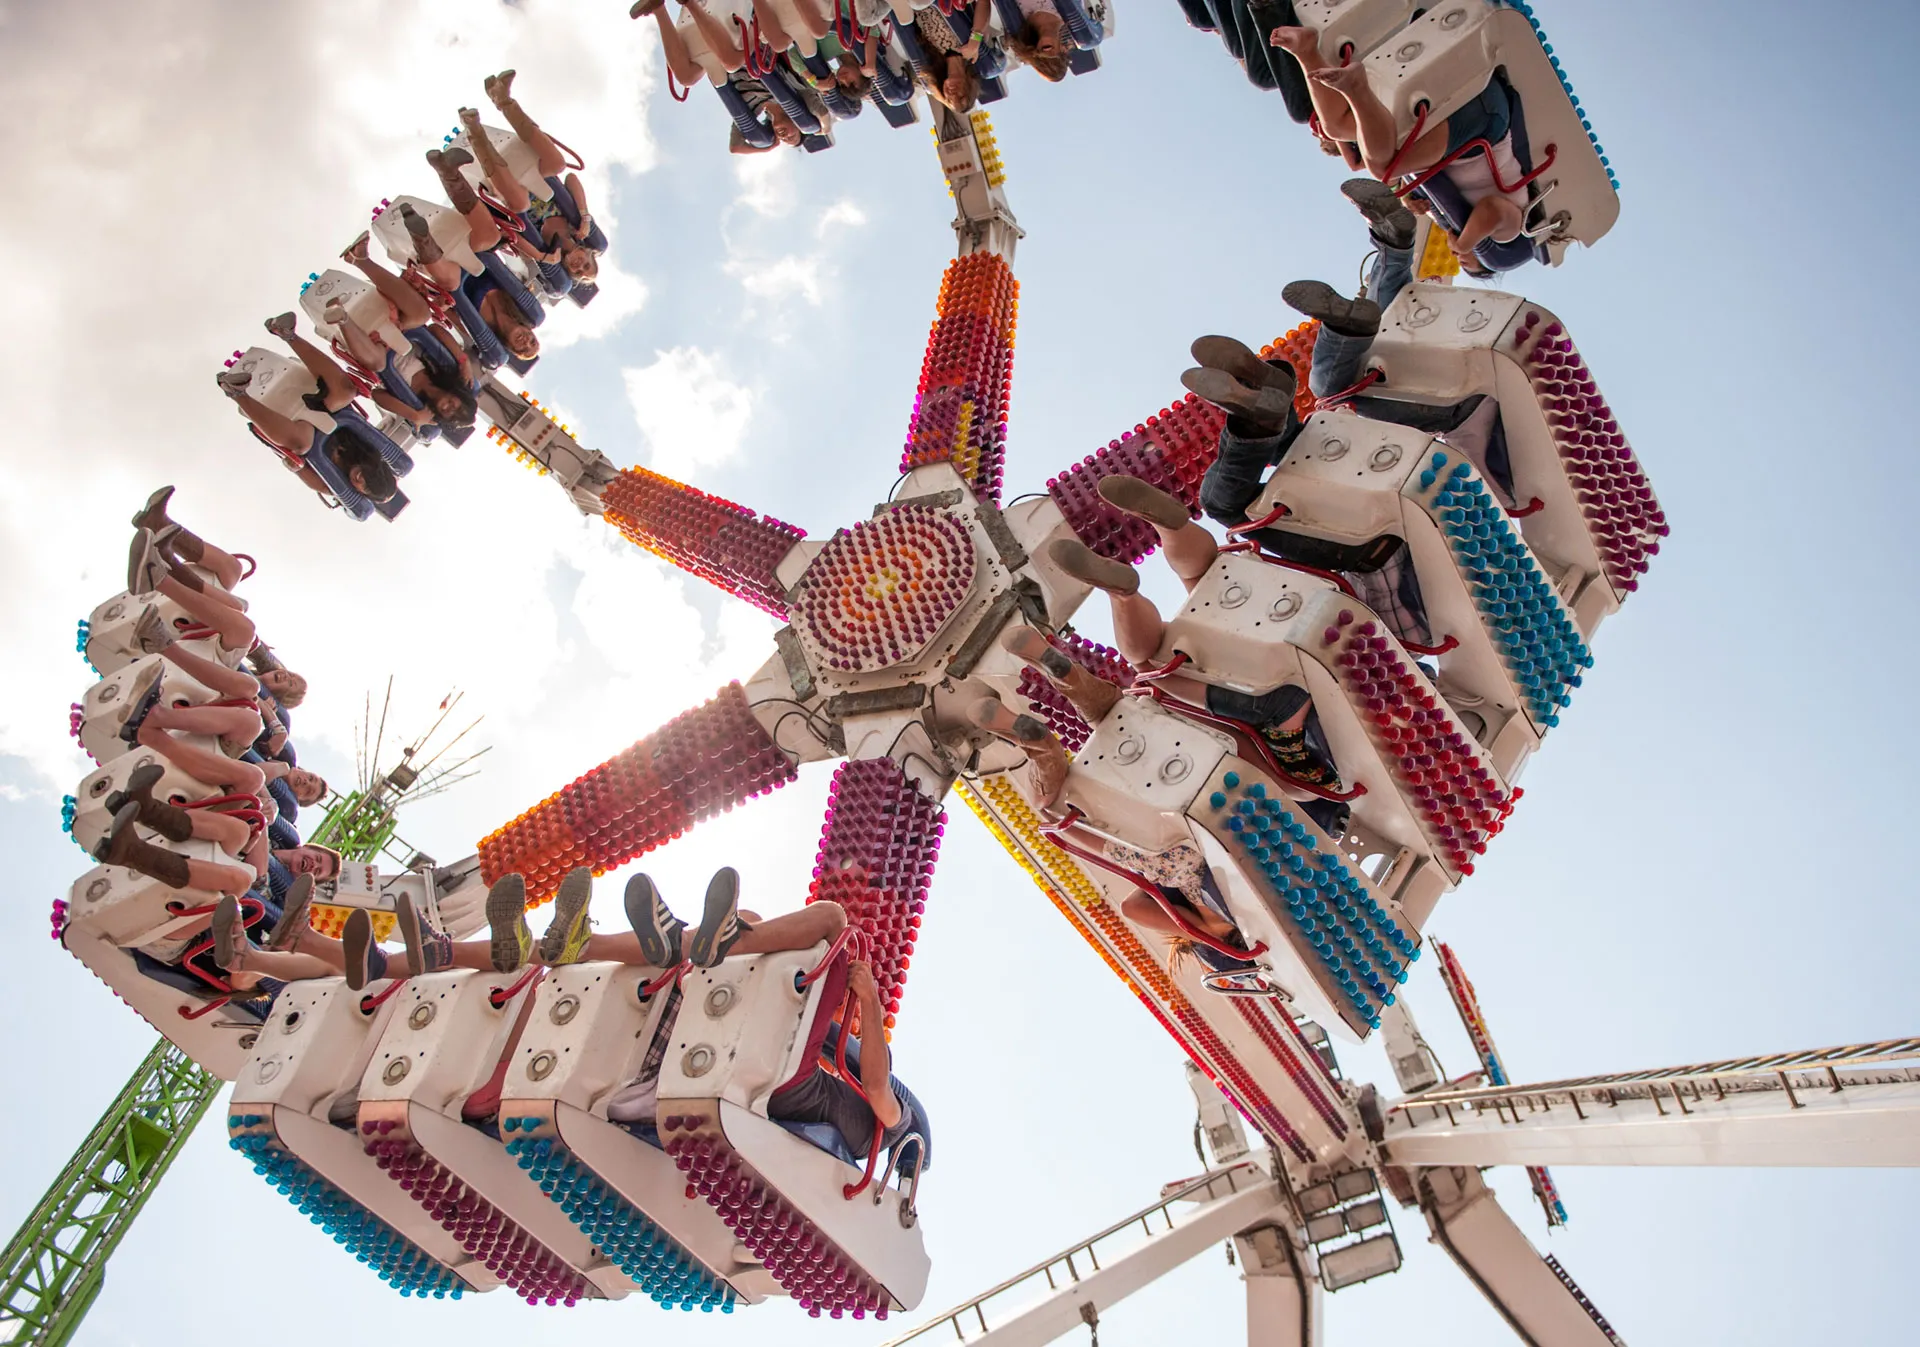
[(1393, 592), (657, 1050)]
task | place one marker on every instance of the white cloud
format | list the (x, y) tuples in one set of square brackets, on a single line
[(841, 212), (766, 184), (790, 276), (691, 414), (266, 139)]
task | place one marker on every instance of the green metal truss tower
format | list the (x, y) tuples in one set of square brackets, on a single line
[(54, 1266)]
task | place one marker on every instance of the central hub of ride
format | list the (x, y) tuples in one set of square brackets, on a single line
[(879, 593)]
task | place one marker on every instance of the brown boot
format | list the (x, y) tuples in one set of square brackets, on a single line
[(169, 820), (492, 166), (125, 847), (182, 544), (426, 249), (500, 92), (180, 572), (446, 164), (153, 515)]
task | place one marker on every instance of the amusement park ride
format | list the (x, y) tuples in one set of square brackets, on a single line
[(453, 1131)]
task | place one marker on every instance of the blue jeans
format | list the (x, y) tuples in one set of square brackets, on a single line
[(1339, 359), (1239, 470)]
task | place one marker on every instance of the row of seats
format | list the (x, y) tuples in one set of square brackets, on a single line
[(463, 293), (1403, 612), (1462, 103), (197, 790), (583, 1131), (789, 71)]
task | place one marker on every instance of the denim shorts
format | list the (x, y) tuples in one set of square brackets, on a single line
[(1487, 117), (828, 1099)]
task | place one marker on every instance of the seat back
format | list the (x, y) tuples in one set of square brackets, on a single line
[(1578, 194), (112, 631), (445, 225), (92, 818), (281, 385), (589, 1036), (306, 1063), (356, 506), (1353, 28), (357, 296), (916, 1113), (1251, 626), (106, 705), (1491, 648), (1442, 344), (755, 132), (354, 425), (445, 1043), (1440, 61), (1083, 61), (521, 160)]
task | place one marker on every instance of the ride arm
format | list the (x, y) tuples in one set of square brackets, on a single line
[(1469, 1223)]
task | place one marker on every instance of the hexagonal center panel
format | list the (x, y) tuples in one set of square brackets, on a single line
[(879, 593)]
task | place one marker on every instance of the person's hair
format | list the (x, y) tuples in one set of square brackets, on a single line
[(589, 270), (970, 93), (1181, 951), (1025, 44), (380, 483), (295, 690), (450, 383)]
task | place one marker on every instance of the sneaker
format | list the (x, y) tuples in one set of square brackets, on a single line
[(567, 934), (233, 382), (507, 916), (150, 631), (294, 914), (1388, 218), (146, 568), (228, 934), (1081, 562), (1145, 501), (719, 922), (281, 325), (365, 962), (659, 930), (428, 950), (143, 694), (1317, 299)]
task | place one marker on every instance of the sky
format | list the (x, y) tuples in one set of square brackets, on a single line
[(1706, 863)]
